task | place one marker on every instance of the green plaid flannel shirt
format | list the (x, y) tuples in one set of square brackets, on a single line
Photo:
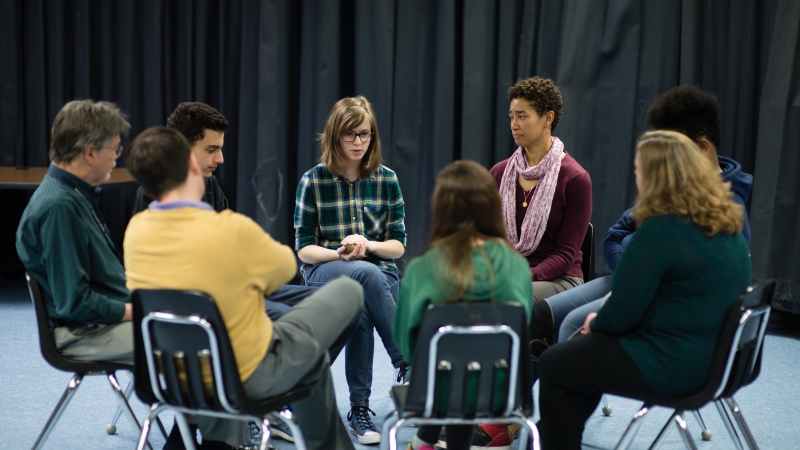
[(329, 208)]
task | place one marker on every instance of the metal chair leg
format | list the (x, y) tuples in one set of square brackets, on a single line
[(706, 433), (392, 436), (606, 408), (161, 427), (530, 432), (111, 428), (288, 418), (123, 402), (737, 414), (687, 438), (266, 434), (726, 419), (662, 435), (388, 422), (633, 428), (148, 420), (73, 385), (186, 432)]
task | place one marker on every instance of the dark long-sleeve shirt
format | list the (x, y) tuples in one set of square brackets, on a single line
[(61, 244), (213, 196), (671, 293), (559, 250), (620, 233)]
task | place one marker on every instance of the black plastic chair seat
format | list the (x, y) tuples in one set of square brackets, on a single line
[(79, 369)]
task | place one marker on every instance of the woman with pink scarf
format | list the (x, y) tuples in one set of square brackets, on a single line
[(547, 203), (546, 194)]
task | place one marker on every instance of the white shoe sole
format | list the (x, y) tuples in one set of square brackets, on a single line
[(442, 444), (276, 433), (366, 440)]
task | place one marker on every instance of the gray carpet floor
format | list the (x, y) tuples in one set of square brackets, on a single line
[(29, 390)]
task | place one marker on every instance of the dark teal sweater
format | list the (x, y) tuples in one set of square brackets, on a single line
[(670, 296), (61, 244)]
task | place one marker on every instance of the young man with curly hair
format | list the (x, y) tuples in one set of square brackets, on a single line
[(689, 111), (204, 127)]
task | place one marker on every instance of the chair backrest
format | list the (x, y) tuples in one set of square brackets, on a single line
[(470, 360), (180, 340), (737, 352), (47, 342), (587, 253), (745, 359)]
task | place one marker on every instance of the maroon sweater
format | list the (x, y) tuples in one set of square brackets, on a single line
[(559, 251)]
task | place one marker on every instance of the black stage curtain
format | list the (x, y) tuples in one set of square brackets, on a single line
[(436, 73)]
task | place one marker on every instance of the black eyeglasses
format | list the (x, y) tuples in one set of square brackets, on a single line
[(349, 136)]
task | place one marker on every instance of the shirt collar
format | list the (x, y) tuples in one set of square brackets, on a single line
[(73, 182), (158, 206), (337, 177)]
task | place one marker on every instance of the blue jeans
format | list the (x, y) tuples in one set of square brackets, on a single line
[(571, 307), (380, 294)]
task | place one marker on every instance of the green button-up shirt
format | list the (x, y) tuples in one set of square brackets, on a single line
[(328, 208), (62, 245)]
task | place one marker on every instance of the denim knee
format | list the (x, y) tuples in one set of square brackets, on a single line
[(368, 274)]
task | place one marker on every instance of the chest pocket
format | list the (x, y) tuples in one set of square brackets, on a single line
[(374, 221)]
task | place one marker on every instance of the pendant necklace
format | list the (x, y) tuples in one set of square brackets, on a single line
[(525, 200)]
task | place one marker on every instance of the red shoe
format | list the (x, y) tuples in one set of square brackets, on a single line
[(493, 436)]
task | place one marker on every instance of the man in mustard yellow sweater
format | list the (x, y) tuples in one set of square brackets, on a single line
[(169, 246)]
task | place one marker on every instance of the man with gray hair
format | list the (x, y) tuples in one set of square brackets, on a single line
[(63, 241)]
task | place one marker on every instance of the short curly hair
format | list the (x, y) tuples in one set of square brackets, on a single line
[(542, 94), (191, 118), (688, 110)]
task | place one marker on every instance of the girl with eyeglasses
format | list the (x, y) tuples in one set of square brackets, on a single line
[(348, 221)]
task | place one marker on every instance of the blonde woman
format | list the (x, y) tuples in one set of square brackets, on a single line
[(683, 269)]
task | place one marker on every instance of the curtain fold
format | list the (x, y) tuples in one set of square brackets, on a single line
[(437, 73)]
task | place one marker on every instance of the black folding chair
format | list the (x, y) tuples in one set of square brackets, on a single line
[(79, 369), (470, 366), (736, 363), (184, 362), (587, 254)]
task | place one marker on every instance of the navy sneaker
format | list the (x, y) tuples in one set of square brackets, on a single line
[(361, 425), (278, 428)]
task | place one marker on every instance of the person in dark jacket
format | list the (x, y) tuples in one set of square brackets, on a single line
[(694, 113), (204, 127)]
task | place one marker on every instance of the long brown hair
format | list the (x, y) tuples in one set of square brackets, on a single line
[(466, 207), (347, 114), (677, 179)]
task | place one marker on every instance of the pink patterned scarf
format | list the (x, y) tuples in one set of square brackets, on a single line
[(535, 221)]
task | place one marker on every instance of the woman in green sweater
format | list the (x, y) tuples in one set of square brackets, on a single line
[(681, 273), (467, 259)]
